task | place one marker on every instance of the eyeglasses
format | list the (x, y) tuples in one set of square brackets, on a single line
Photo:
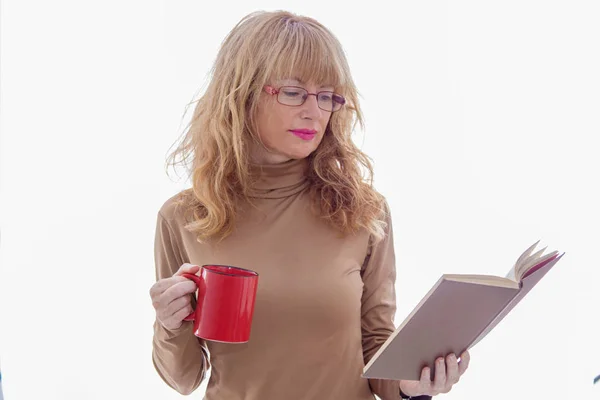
[(295, 96)]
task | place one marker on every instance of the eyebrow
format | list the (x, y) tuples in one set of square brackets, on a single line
[(301, 81)]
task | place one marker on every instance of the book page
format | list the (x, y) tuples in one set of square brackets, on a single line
[(527, 260), (512, 273), (483, 280), (521, 268), (533, 261), (539, 264)]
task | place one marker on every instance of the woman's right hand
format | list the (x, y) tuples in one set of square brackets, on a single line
[(171, 297)]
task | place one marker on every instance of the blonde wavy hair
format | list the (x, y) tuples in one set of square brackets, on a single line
[(262, 47)]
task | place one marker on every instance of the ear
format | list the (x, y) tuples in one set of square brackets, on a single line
[(271, 90)]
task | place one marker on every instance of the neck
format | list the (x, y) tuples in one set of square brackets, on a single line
[(281, 179), (260, 154)]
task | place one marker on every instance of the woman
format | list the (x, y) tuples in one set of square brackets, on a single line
[(277, 188)]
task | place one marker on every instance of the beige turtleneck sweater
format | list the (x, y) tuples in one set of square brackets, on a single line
[(324, 304)]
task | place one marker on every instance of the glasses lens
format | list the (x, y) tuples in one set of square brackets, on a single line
[(338, 101), (295, 96), (330, 101), (291, 96)]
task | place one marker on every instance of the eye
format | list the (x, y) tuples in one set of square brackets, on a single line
[(291, 93), (325, 97), (339, 99)]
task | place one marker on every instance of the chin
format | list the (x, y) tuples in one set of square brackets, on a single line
[(299, 153), (285, 151), (304, 149)]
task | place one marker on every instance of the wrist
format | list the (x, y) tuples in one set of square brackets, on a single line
[(407, 397)]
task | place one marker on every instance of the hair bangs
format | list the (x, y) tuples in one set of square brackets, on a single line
[(307, 54)]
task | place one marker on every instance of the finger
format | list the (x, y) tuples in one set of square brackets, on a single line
[(181, 314), (178, 316), (179, 289), (425, 381), (176, 305), (159, 287), (465, 359), (452, 373), (187, 268), (439, 380), (176, 320), (157, 290)]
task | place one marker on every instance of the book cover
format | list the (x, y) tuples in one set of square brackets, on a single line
[(456, 313)]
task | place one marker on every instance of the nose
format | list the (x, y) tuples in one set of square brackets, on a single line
[(311, 106)]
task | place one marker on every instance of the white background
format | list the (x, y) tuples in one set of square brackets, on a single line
[(481, 118)]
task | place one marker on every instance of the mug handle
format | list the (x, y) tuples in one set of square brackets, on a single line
[(196, 279)]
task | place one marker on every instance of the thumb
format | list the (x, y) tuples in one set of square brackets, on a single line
[(187, 268)]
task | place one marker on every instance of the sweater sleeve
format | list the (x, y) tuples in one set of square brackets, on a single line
[(179, 357), (379, 305)]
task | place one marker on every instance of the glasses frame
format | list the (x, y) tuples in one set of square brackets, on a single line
[(275, 91)]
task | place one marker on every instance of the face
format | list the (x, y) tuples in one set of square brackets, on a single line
[(276, 123)]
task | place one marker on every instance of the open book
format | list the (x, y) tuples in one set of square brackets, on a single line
[(456, 314)]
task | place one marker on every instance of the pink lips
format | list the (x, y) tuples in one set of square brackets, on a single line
[(304, 134)]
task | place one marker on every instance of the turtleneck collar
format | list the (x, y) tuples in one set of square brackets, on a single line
[(276, 181)]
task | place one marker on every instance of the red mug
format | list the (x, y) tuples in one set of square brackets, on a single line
[(225, 303)]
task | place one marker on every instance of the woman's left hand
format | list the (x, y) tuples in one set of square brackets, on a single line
[(446, 374)]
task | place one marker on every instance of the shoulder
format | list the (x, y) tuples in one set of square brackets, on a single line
[(382, 224), (174, 209), (384, 209)]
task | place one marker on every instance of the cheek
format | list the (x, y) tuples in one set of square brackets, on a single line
[(273, 121), (265, 125), (274, 126), (325, 123)]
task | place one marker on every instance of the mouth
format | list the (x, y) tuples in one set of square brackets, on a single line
[(304, 134)]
